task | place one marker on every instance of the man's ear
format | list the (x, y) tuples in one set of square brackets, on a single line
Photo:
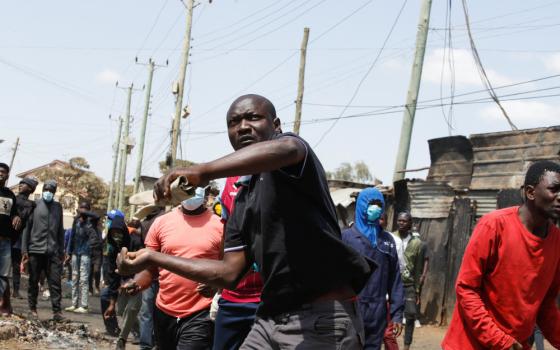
[(277, 124), (530, 192)]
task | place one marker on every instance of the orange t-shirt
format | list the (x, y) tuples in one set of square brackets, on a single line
[(185, 236)]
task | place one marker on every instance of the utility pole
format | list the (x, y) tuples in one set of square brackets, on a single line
[(116, 149), (126, 146), (301, 79), (413, 89), (14, 153), (151, 67), (180, 88)]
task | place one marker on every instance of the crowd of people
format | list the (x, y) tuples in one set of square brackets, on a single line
[(270, 268)]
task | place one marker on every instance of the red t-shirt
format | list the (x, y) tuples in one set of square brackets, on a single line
[(185, 236), (509, 279), (249, 288)]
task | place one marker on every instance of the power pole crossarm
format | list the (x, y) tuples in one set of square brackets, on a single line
[(301, 79), (181, 83), (413, 89)]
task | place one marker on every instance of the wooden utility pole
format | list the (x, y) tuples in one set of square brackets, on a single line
[(299, 100), (125, 150), (14, 153), (180, 87), (116, 148), (413, 89)]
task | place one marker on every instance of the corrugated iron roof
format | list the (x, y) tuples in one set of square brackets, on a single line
[(430, 199), (486, 201), (344, 196)]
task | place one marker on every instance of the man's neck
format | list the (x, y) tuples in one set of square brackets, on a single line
[(404, 235), (534, 222), (24, 195)]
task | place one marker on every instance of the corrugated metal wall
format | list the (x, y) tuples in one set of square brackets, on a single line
[(429, 199)]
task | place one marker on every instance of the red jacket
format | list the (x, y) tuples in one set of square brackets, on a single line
[(508, 281)]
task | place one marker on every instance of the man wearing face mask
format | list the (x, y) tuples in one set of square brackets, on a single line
[(369, 239), (42, 247), (181, 316)]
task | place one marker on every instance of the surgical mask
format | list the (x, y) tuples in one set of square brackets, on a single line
[(373, 213), (48, 196), (196, 201)]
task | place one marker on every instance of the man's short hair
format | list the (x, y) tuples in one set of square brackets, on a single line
[(85, 204), (537, 170), (5, 167), (405, 213)]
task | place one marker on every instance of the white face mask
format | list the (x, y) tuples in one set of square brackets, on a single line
[(196, 201)]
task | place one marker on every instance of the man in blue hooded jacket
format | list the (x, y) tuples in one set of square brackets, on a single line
[(369, 239)]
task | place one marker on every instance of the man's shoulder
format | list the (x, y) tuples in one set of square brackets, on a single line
[(6, 192)]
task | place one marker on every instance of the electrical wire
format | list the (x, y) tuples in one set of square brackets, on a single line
[(372, 65)]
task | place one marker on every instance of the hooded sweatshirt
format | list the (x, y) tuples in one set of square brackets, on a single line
[(117, 238), (44, 232)]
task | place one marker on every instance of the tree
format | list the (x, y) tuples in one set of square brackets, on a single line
[(77, 183), (346, 172)]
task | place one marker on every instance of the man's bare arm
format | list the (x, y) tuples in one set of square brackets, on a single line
[(253, 159), (224, 273)]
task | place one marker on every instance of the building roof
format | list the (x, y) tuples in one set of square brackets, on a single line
[(52, 164)]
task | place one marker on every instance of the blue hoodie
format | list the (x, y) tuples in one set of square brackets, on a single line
[(369, 230)]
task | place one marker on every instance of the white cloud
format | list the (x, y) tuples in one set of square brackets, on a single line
[(107, 77), (552, 62), (466, 72), (525, 114)]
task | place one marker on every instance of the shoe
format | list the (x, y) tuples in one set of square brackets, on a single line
[(81, 310), (417, 324), (70, 308), (121, 344), (46, 295), (32, 315), (15, 294), (57, 317)]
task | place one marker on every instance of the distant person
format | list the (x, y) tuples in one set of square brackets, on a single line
[(83, 235), (181, 315), (25, 208), (368, 238), (510, 275), (9, 224), (284, 221), (413, 260), (42, 247)]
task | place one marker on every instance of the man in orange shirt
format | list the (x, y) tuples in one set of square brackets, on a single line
[(510, 275), (181, 316)]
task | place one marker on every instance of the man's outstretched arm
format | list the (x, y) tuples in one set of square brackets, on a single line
[(224, 273), (260, 157)]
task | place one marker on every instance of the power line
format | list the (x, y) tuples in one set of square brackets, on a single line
[(373, 63)]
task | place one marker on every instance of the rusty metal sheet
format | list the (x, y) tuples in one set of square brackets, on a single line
[(485, 201), (501, 159), (430, 199), (451, 161)]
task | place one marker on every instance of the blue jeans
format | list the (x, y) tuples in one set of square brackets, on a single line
[(5, 264), (146, 316), (233, 323)]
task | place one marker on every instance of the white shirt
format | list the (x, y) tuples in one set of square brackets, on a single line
[(401, 248)]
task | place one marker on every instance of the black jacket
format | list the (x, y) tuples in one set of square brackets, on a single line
[(44, 232), (111, 277)]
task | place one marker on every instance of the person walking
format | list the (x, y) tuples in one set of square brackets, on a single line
[(42, 247), (285, 222), (510, 275), (368, 238), (10, 222)]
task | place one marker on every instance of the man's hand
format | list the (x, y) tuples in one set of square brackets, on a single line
[(66, 259), (397, 329), (206, 290), (23, 266), (418, 299), (516, 346), (131, 288), (129, 263), (162, 188), (16, 223), (110, 312)]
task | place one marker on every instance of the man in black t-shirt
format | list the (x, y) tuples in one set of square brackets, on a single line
[(285, 223), (9, 223)]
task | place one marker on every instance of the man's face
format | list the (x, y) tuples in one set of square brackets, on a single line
[(82, 209), (248, 122), (25, 188), (3, 176), (404, 223), (546, 195)]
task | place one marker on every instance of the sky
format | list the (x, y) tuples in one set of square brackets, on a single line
[(60, 61)]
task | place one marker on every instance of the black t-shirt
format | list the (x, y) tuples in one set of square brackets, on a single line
[(286, 222), (8, 210)]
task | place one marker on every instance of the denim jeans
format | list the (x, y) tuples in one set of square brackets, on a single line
[(146, 316), (5, 263), (80, 278)]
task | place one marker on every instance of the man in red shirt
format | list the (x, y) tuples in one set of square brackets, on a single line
[(510, 275)]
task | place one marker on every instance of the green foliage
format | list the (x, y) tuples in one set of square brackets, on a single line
[(346, 172)]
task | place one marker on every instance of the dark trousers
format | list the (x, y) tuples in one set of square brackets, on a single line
[(194, 332), (410, 313), (95, 269), (233, 323), (111, 324), (16, 274), (52, 267)]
